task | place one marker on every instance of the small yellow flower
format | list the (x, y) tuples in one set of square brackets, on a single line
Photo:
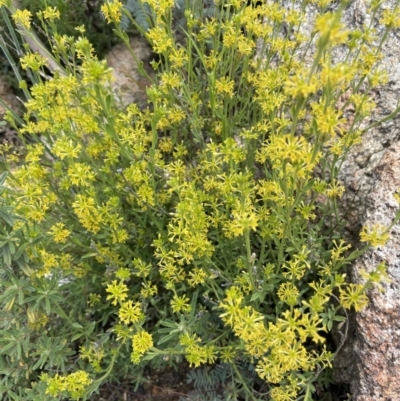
[(196, 355), (300, 85), (245, 46), (50, 13), (353, 295), (376, 277), (212, 60), (161, 7), (294, 269), (123, 273), (117, 291), (242, 221), (188, 340), (33, 61), (316, 303), (288, 293), (166, 144), (95, 71), (306, 211), (335, 190), (330, 29), (230, 37), (75, 384), (93, 299), (178, 57), (160, 39), (60, 233), (148, 290), (197, 276), (129, 313), (227, 354), (81, 29), (225, 87), (284, 393), (391, 18), (375, 235), (22, 17), (84, 49), (120, 236), (142, 342), (34, 153), (170, 80), (81, 175), (142, 269), (338, 249), (179, 304), (112, 11), (270, 370)]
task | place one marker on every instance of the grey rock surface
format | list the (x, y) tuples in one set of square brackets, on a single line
[(370, 360), (377, 335), (371, 174), (129, 86)]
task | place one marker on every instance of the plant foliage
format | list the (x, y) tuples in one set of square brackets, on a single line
[(204, 227), (209, 385), (140, 12)]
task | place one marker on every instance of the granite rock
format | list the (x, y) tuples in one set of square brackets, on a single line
[(371, 175), (376, 343), (129, 86)]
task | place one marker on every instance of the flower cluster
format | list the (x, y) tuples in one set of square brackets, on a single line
[(205, 224), (73, 384)]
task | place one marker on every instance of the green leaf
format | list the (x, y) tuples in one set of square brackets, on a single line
[(165, 330), (60, 312), (194, 303), (7, 347), (7, 217), (149, 356), (89, 255), (24, 267), (167, 323), (90, 329), (3, 177), (167, 338), (108, 102), (6, 255), (10, 294), (76, 336), (14, 396), (20, 250), (258, 295), (75, 240)]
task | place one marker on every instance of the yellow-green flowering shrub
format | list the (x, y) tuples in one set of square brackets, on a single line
[(206, 226)]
